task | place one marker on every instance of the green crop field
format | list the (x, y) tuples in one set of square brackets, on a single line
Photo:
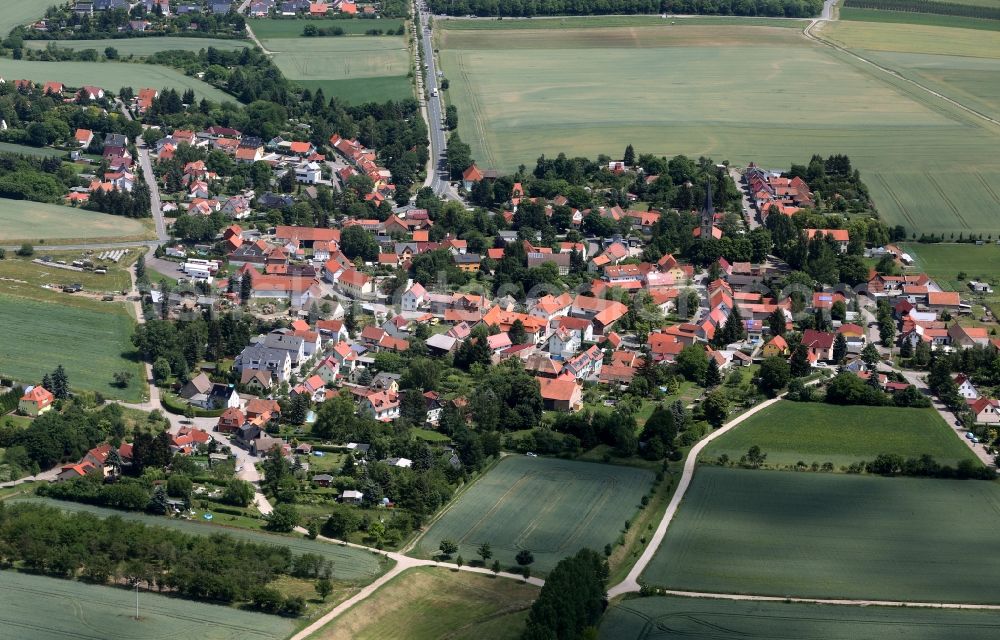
[(142, 46), (785, 533), (356, 69), (790, 432), (580, 22), (91, 343), (349, 564), (660, 618), (18, 12), (430, 603), (109, 76), (34, 221), (265, 28), (551, 507), (730, 92), (39, 608), (362, 90), (909, 17)]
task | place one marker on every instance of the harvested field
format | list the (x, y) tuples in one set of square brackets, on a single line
[(431, 603)]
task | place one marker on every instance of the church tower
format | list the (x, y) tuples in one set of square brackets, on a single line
[(707, 213)]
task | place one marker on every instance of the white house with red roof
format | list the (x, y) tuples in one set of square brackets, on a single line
[(35, 401)]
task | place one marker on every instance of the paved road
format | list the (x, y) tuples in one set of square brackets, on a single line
[(749, 214), (919, 380), (437, 177), (154, 190)]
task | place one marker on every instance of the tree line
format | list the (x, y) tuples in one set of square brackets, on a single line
[(215, 568), (531, 8), (928, 6)]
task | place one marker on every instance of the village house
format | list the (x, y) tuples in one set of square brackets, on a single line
[(35, 401), (561, 394)]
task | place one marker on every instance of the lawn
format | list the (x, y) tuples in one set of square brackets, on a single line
[(34, 221), (265, 28), (704, 619), (725, 92), (430, 603), (909, 17), (356, 69), (832, 536), (551, 507), (141, 47), (349, 564), (39, 608), (18, 12), (91, 343), (109, 75), (790, 432)]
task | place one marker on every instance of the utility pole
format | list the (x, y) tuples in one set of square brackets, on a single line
[(136, 599)]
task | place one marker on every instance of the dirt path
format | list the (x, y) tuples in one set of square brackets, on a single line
[(833, 601), (631, 581)]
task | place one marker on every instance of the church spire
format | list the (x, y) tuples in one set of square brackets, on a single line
[(708, 208), (707, 213)]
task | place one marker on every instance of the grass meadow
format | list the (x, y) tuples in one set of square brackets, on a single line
[(430, 603), (551, 507), (349, 564), (109, 75), (40, 608), (141, 47), (22, 220), (834, 536), (356, 69), (705, 619), (266, 28), (943, 262), (790, 432), (92, 342), (740, 93)]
